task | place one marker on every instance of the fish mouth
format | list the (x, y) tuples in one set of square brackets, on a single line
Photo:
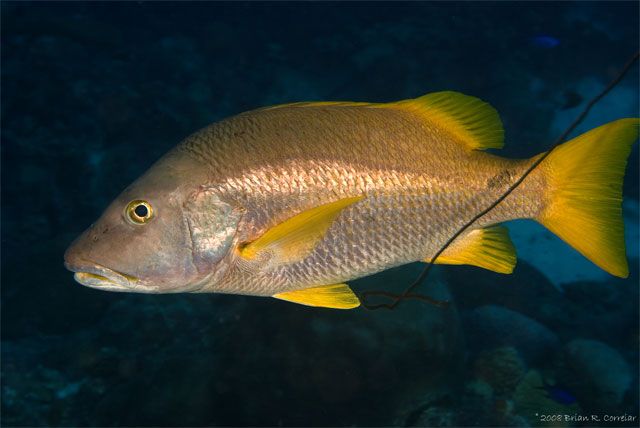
[(97, 276)]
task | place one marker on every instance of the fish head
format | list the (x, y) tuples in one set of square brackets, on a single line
[(162, 234)]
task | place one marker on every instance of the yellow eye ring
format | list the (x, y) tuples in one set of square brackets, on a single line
[(139, 212)]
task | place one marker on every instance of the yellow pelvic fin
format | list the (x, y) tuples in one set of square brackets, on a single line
[(489, 248), (584, 193), (472, 121), (295, 238), (337, 296)]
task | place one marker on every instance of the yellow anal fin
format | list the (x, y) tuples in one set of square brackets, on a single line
[(584, 193), (336, 296), (489, 248), (470, 120), (294, 239)]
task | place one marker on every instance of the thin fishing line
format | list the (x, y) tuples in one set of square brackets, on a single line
[(407, 292)]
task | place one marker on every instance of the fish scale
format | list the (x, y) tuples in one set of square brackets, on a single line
[(366, 249), (271, 197), (291, 201)]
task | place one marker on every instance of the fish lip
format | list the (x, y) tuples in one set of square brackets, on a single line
[(97, 276), (100, 277)]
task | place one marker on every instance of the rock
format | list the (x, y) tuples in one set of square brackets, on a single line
[(418, 351), (522, 291), (597, 373), (492, 326), (600, 310)]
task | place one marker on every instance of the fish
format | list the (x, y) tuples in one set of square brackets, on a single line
[(295, 200), (558, 393), (571, 99), (544, 41)]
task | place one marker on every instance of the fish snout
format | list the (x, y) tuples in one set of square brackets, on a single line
[(93, 274), (72, 256)]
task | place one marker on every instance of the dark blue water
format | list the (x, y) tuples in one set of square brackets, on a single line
[(94, 93)]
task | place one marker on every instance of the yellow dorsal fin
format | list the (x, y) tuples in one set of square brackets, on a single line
[(295, 238), (489, 248), (475, 123), (337, 296), (321, 104), (470, 120)]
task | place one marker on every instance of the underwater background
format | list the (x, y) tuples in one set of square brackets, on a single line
[(94, 93)]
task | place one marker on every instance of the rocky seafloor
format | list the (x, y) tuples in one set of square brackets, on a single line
[(93, 93)]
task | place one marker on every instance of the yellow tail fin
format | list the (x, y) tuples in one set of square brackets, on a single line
[(584, 193)]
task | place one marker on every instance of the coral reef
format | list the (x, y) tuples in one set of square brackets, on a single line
[(534, 404), (501, 368)]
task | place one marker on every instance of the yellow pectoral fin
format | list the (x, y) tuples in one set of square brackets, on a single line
[(337, 296), (489, 248), (294, 239)]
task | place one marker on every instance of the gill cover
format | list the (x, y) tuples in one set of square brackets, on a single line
[(212, 224)]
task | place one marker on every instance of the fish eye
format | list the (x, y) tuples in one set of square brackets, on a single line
[(139, 212)]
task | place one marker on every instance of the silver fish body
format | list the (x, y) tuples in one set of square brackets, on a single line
[(418, 188), (412, 174)]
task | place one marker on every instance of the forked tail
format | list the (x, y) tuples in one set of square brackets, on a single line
[(584, 193)]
